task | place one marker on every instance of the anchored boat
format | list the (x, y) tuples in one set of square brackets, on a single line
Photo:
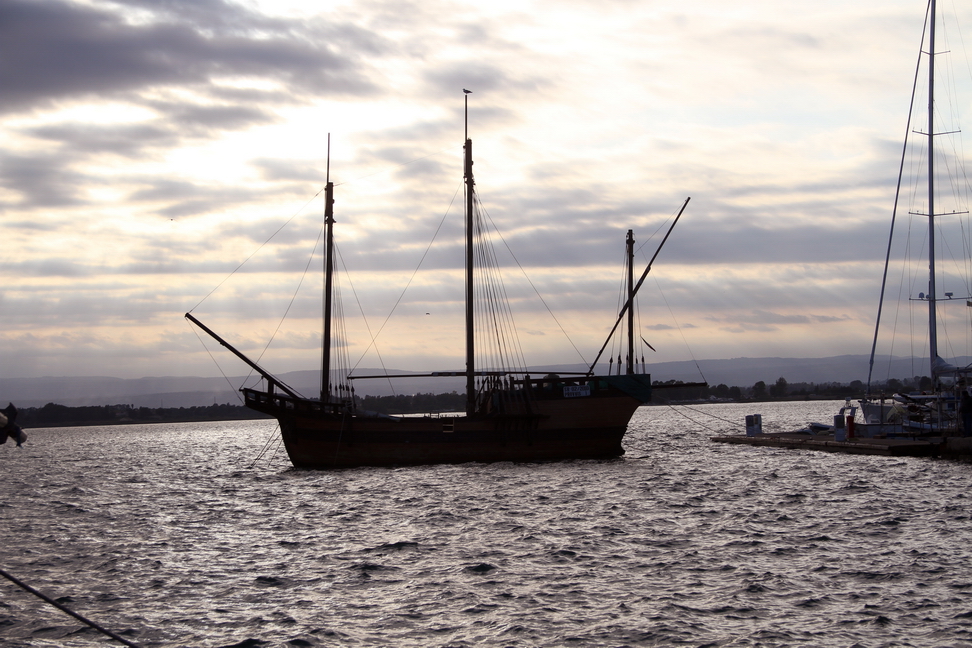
[(509, 414), (936, 411)]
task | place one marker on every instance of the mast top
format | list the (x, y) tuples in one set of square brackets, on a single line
[(466, 94)]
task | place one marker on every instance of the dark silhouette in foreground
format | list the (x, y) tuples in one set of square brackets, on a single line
[(9, 427)]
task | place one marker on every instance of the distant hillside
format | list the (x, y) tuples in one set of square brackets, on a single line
[(198, 392)]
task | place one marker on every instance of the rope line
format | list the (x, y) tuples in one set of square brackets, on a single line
[(374, 339), (391, 168), (215, 362), (273, 436), (24, 586), (679, 327), (252, 254), (733, 423), (298, 212), (527, 277), (293, 298)]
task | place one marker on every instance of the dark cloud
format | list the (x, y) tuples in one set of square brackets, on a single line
[(194, 119), (173, 58), (42, 180), (291, 170), (185, 198), (481, 78), (52, 51), (126, 140)]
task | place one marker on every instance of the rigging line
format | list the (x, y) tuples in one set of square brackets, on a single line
[(680, 331), (950, 70), (943, 320), (902, 285), (302, 208), (509, 351), (270, 439), (357, 300), (410, 279), (276, 449), (961, 38), (340, 357), (617, 342), (252, 254), (955, 261), (894, 210), (293, 298), (391, 168), (651, 236), (215, 362), (562, 330), (689, 407), (27, 588), (710, 429)]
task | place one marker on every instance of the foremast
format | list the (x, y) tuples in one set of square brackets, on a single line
[(328, 279), (633, 290)]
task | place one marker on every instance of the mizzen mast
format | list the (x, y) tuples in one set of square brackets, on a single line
[(630, 252)]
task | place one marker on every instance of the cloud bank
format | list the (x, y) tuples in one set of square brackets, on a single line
[(152, 148)]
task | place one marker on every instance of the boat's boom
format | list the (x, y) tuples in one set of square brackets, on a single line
[(270, 378)]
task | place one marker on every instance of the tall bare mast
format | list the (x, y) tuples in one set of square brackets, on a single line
[(630, 250), (470, 342), (932, 317), (328, 278)]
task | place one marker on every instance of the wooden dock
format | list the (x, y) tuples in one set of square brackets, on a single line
[(827, 443)]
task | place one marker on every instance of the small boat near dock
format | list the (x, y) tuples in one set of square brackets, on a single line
[(846, 437), (933, 419)]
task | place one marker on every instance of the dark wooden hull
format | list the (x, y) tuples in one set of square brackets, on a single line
[(548, 428)]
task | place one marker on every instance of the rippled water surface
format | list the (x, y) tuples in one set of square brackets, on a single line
[(171, 535)]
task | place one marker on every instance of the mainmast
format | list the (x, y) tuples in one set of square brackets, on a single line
[(328, 279), (470, 345), (932, 317)]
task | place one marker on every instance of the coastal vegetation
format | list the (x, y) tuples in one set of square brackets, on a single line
[(669, 392), (54, 415)]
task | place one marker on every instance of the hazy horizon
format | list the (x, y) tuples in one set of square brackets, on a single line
[(187, 391)]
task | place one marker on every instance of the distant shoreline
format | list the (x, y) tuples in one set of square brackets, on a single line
[(58, 416), (61, 416), (256, 416)]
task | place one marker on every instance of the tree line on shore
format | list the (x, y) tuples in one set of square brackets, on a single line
[(783, 390), (54, 415), (672, 391)]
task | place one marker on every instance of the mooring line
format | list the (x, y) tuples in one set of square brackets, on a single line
[(60, 607), (266, 446), (672, 407)]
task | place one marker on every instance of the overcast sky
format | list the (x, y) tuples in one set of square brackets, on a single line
[(151, 147)]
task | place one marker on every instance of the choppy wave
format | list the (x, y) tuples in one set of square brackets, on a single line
[(171, 536)]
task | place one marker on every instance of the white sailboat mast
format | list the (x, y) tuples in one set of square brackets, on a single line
[(932, 317)]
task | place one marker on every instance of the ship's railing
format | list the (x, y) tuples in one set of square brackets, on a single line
[(268, 401)]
